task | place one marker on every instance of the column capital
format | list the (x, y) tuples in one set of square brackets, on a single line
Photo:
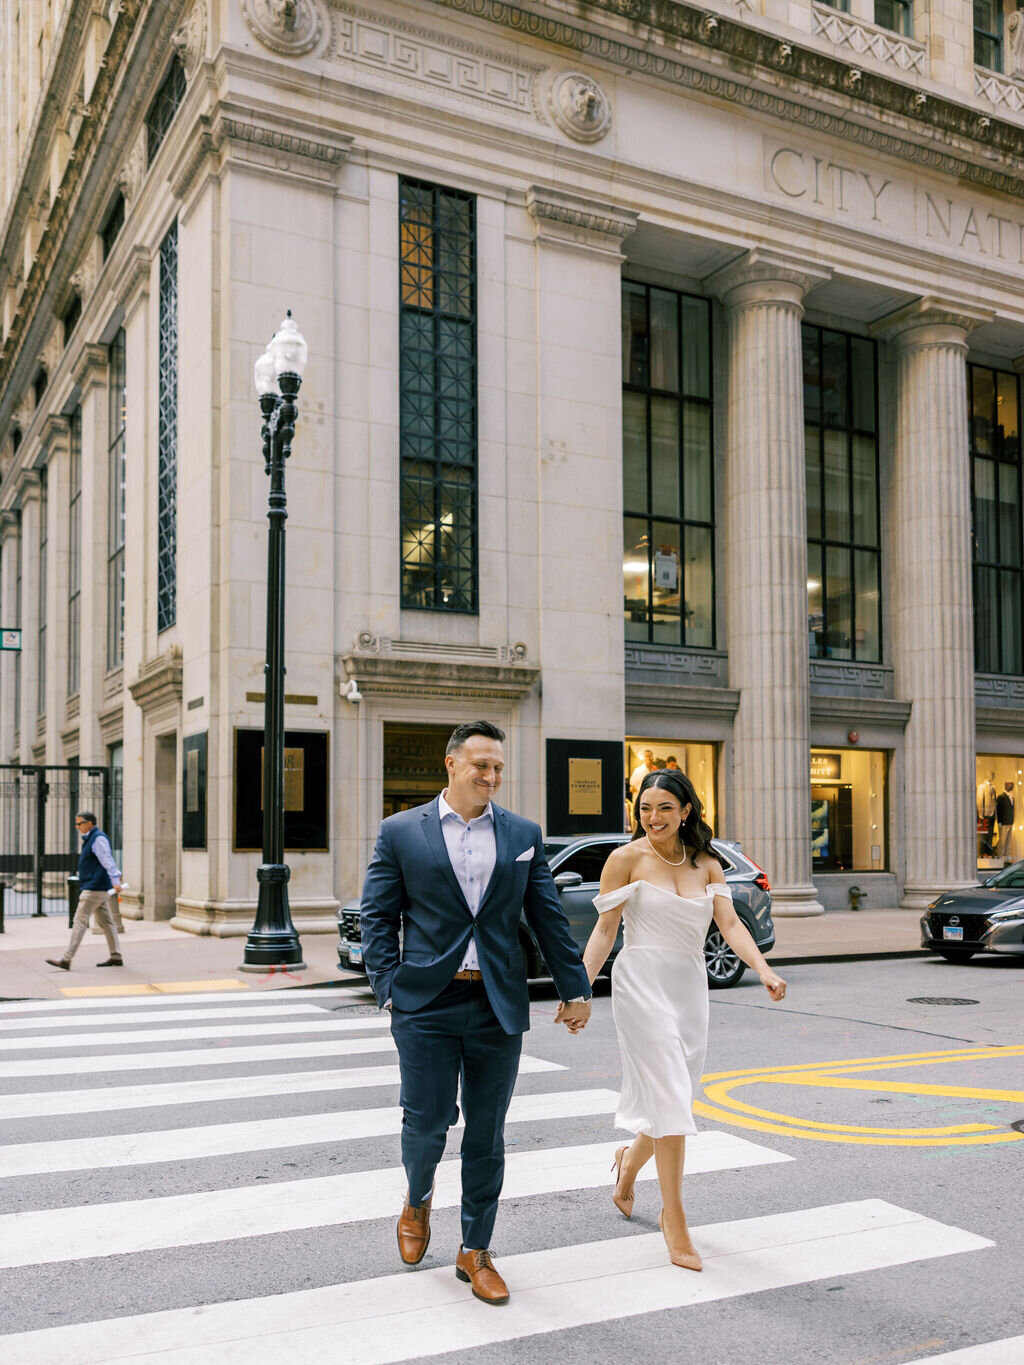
[(27, 485), (55, 433), (89, 367), (8, 523), (132, 284), (760, 276), (931, 321), (576, 221)]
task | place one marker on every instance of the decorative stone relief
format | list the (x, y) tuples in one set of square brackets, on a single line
[(579, 106), (998, 89), (857, 676), (83, 279), (1015, 32), (846, 31), (572, 211), (999, 690), (189, 39), (416, 54), (673, 661), (133, 172), (289, 27), (49, 356), (368, 643)]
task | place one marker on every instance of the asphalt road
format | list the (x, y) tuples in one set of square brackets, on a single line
[(859, 1184)]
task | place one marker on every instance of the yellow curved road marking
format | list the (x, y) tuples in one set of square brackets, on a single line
[(725, 1107)]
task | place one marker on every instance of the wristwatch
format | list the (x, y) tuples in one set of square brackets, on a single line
[(580, 1000)]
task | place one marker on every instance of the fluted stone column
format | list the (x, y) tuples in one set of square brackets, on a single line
[(766, 567), (931, 598), (8, 618), (29, 488)]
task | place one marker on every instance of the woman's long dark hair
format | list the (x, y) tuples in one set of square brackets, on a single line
[(695, 834)]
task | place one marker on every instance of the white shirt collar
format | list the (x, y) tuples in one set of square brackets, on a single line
[(444, 810)]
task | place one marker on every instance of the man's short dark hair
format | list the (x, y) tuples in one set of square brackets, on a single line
[(473, 727), (87, 815)]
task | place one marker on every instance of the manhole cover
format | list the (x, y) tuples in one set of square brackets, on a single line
[(356, 1009), (939, 1000)]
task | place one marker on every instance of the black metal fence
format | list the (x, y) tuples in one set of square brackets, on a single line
[(38, 840)]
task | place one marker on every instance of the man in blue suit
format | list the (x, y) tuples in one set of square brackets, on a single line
[(455, 875)]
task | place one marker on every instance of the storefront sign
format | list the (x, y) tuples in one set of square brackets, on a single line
[(305, 790), (193, 794), (10, 639), (826, 767), (584, 786)]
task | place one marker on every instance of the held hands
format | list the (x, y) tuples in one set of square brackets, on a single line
[(773, 984), (574, 1017)]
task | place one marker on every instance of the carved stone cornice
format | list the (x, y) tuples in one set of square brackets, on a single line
[(132, 284), (111, 723), (684, 46), (392, 676), (159, 681), (927, 318), (27, 485), (274, 140), (89, 367), (573, 220), (8, 523), (763, 276), (55, 432)]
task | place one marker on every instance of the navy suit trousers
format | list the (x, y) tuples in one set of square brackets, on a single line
[(453, 1039)]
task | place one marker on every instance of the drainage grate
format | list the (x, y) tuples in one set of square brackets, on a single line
[(939, 1000), (356, 1009)]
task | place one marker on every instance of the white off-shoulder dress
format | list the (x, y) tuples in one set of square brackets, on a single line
[(660, 1004)]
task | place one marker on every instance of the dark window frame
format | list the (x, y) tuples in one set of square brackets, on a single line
[(71, 316), (984, 37), (902, 17), (1001, 564), (116, 477), (112, 224), (823, 541), (75, 553), (41, 569), (164, 106), (167, 436), (439, 399), (653, 515)]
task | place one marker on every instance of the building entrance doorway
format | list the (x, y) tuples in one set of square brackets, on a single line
[(414, 770), (832, 827)]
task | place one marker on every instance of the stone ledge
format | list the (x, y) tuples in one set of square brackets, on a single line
[(159, 681), (859, 710), (678, 698), (392, 676)]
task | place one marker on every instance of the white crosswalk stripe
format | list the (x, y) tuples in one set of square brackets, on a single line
[(399, 1316), (387, 1318), (221, 1215), (324, 997)]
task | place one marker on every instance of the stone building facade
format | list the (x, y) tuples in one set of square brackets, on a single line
[(663, 394)]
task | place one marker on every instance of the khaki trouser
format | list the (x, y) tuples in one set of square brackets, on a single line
[(93, 903)]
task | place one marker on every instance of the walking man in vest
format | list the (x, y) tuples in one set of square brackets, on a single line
[(98, 875)]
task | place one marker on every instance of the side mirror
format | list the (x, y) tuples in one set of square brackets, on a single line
[(565, 880)]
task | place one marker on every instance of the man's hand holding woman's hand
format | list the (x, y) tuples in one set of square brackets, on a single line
[(573, 1016)]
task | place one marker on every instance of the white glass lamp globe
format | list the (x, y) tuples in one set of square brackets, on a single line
[(265, 374), (288, 348)]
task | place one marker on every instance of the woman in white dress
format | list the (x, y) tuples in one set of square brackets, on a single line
[(665, 886)]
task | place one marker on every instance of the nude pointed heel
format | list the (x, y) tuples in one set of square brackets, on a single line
[(687, 1260), (624, 1205)]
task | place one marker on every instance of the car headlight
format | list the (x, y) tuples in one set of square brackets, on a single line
[(1010, 913)]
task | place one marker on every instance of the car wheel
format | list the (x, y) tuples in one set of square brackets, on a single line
[(724, 968), (955, 954)]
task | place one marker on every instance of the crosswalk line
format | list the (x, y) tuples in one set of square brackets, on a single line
[(327, 995), (430, 1312), (1009, 1351), (159, 1017), (189, 1058), (64, 1102), (169, 1035), (68, 1234), (259, 1135)]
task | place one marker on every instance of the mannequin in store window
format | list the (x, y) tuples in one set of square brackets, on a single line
[(986, 808), (1004, 819)]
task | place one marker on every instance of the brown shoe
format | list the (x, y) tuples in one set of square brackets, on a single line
[(477, 1269), (413, 1232), (58, 962), (111, 962)]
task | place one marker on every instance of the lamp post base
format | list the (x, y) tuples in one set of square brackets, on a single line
[(272, 941)]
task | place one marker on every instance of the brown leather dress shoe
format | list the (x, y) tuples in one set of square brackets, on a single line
[(59, 962), (413, 1232), (477, 1269)]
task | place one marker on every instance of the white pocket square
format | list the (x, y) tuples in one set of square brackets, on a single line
[(527, 856)]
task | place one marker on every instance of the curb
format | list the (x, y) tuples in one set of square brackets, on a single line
[(792, 961)]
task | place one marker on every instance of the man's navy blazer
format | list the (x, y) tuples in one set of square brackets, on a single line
[(411, 885)]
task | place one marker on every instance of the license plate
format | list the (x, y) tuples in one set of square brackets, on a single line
[(954, 931), (355, 955)]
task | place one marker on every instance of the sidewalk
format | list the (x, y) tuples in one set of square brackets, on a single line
[(161, 960)]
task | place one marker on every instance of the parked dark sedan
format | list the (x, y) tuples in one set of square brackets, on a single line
[(576, 865), (983, 919)]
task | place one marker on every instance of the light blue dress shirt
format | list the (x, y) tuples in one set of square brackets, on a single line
[(473, 853)]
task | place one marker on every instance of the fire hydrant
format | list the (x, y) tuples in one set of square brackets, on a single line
[(856, 896)]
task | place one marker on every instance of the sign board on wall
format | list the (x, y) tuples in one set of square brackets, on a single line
[(193, 791), (586, 787), (826, 767), (10, 639), (305, 791)]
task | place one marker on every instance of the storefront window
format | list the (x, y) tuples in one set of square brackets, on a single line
[(999, 807), (998, 548), (848, 803), (696, 760)]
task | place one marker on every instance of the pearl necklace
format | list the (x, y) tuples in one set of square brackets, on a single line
[(662, 856)]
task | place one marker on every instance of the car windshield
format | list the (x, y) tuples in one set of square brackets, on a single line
[(1011, 877)]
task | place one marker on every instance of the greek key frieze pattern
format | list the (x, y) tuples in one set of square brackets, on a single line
[(997, 689), (675, 661), (417, 55), (845, 31), (849, 675)]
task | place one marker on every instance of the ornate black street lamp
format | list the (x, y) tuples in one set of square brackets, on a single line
[(272, 941)]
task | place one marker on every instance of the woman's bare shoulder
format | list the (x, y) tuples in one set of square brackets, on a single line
[(710, 864), (623, 856)]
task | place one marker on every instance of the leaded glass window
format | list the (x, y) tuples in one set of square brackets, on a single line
[(164, 107), (844, 617), (997, 502), (116, 474), (668, 566), (75, 555), (41, 576), (438, 409), (167, 436)]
